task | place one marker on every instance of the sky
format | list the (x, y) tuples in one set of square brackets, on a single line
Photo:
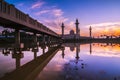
[(102, 15)]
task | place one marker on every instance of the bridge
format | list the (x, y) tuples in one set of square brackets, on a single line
[(11, 17)]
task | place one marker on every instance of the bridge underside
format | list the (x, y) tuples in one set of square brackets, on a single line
[(10, 24)]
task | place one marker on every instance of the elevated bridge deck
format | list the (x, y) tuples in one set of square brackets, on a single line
[(13, 18)]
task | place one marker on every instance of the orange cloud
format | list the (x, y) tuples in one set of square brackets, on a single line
[(106, 50), (109, 28)]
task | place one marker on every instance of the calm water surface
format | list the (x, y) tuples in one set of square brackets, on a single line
[(95, 61)]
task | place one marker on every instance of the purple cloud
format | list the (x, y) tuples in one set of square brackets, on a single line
[(37, 5)]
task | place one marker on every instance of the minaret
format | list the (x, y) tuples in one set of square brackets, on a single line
[(62, 26), (77, 53), (77, 29), (90, 31), (90, 48), (63, 54)]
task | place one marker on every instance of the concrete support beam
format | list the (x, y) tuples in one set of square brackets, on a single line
[(43, 39), (35, 50), (35, 38), (43, 50), (17, 55), (17, 36), (35, 55), (49, 40)]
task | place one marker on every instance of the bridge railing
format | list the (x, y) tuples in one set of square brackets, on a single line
[(9, 12)]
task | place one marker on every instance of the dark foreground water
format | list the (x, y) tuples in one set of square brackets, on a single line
[(95, 61)]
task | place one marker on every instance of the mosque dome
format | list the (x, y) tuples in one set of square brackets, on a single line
[(72, 32)]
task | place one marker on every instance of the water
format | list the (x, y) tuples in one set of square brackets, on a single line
[(73, 61)]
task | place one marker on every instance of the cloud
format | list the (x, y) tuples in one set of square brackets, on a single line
[(69, 26), (42, 12), (108, 28), (52, 16), (37, 5), (107, 24), (55, 24), (57, 12)]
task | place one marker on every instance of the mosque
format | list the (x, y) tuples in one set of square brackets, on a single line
[(73, 35)]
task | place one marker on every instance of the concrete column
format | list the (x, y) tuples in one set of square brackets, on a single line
[(43, 38), (49, 47), (43, 50), (51, 40), (35, 38), (17, 55), (18, 62), (17, 37), (35, 50), (35, 55), (48, 40)]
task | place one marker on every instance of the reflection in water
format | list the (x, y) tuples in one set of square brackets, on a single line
[(74, 61), (90, 48), (63, 53), (29, 70), (17, 55), (35, 50)]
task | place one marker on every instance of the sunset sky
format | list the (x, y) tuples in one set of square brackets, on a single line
[(102, 15)]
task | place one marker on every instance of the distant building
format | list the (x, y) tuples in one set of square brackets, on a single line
[(72, 34)]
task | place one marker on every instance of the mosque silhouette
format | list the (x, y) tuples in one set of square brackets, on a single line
[(72, 35)]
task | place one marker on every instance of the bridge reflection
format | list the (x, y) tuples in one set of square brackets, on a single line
[(31, 69)]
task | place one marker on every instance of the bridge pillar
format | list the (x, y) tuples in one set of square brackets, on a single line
[(35, 55), (52, 40), (50, 47), (17, 55), (43, 39), (17, 37), (43, 50), (49, 40), (35, 50), (35, 39)]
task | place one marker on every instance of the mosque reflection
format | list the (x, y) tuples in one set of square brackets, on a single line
[(79, 69), (73, 69)]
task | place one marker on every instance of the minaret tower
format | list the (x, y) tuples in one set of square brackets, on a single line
[(62, 26), (77, 53), (90, 31), (77, 29)]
